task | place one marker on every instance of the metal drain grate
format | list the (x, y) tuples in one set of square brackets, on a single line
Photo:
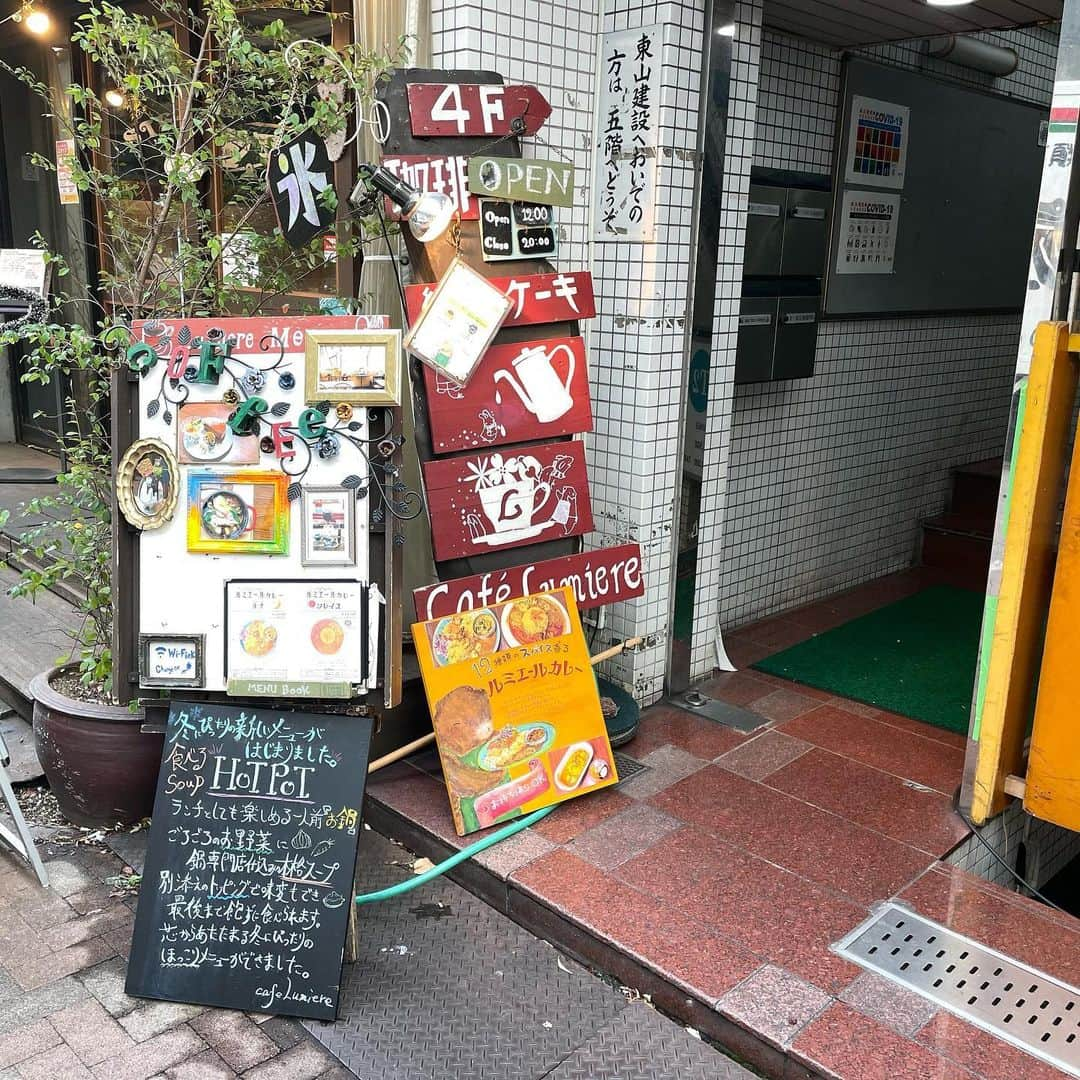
[(627, 766), (1015, 1002)]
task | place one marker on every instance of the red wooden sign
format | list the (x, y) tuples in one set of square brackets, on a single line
[(529, 390), (444, 175), (488, 502), (469, 109), (538, 298), (597, 577)]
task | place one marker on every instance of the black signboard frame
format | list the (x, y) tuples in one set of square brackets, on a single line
[(248, 885)]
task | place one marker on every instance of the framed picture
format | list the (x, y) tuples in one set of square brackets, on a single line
[(172, 660), (238, 513), (328, 528), (203, 436), (362, 367), (458, 322), (147, 484)]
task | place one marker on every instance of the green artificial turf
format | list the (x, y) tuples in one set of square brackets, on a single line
[(915, 657)]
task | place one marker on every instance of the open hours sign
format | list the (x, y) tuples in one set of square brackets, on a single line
[(516, 230)]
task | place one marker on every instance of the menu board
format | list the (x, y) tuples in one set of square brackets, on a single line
[(515, 708), (249, 872)]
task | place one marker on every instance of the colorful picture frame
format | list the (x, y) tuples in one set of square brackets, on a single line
[(147, 484), (361, 367), (328, 526), (237, 513), (172, 660)]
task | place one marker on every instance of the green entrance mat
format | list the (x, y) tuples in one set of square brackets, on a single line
[(915, 657)]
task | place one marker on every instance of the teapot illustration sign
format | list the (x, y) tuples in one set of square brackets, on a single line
[(520, 392), (506, 499)]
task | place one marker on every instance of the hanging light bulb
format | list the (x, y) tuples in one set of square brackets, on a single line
[(427, 212), (36, 20), (115, 98)]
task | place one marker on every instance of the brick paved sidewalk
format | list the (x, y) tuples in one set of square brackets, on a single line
[(63, 1011)]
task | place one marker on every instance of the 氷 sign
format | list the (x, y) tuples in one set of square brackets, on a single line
[(536, 298), (528, 390), (457, 109), (534, 180), (484, 502), (245, 896), (297, 174), (515, 707), (597, 577)]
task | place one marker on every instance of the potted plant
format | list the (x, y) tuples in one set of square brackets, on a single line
[(172, 142)]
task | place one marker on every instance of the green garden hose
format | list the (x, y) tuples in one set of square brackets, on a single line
[(448, 864)]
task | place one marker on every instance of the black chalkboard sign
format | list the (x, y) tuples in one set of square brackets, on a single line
[(245, 897)]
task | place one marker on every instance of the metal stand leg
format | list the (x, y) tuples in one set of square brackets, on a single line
[(19, 841)]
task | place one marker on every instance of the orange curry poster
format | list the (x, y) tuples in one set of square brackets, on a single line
[(515, 707)]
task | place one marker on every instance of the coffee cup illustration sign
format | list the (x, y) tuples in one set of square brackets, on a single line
[(541, 390), (497, 500), (519, 392)]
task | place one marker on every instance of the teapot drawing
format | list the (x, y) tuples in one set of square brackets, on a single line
[(536, 382)]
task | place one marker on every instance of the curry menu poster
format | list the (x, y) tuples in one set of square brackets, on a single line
[(515, 707)]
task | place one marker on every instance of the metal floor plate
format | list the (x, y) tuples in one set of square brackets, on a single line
[(1017, 1003), (446, 987), (627, 766)]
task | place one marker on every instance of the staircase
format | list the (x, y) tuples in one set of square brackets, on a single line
[(958, 542)]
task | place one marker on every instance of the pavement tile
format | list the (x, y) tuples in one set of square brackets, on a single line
[(888, 1003), (774, 1004), (303, 1062), (90, 1031), (204, 1066), (106, 982), (42, 910), (667, 765), (119, 941), (33, 973), (153, 1056), (153, 1018), (9, 988), (67, 877), (59, 1063), (418, 797), (881, 746), (981, 1052), (285, 1032), (622, 837), (337, 1072), (762, 755), (39, 1003), (737, 687), (784, 704), (817, 845), (239, 1042), (26, 1042), (665, 725), (86, 927), (93, 899), (510, 855), (843, 1042), (578, 815)]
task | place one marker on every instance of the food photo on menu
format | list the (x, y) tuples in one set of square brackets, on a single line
[(515, 708)]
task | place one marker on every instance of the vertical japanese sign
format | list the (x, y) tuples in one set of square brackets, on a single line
[(65, 183), (628, 110)]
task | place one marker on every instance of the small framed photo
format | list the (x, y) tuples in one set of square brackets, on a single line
[(172, 660), (147, 484), (203, 436), (238, 513), (458, 323), (328, 528), (362, 367)]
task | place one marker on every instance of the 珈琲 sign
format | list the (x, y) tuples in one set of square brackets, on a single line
[(550, 182), (597, 577), (245, 896), (457, 109)]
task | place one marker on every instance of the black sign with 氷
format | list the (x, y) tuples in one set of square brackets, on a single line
[(516, 230), (245, 896), (297, 175)]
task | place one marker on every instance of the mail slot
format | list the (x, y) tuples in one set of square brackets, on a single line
[(805, 233), (796, 337), (764, 230), (757, 333)]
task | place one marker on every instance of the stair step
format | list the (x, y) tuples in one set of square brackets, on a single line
[(976, 526), (960, 545), (975, 488)]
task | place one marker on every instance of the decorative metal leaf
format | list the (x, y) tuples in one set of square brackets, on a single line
[(280, 409), (167, 416), (361, 492), (324, 407), (354, 425), (351, 481), (378, 514), (399, 539), (184, 335), (399, 485), (152, 409), (294, 492)]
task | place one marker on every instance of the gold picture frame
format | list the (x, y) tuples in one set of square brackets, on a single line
[(362, 367), (147, 484)]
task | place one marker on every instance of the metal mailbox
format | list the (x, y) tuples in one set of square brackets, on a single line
[(805, 233), (764, 230), (757, 336), (796, 337)]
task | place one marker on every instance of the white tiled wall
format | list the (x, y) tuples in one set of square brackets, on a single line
[(829, 477)]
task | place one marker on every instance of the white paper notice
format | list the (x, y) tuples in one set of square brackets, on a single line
[(868, 225), (23, 268), (65, 159), (877, 143)]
